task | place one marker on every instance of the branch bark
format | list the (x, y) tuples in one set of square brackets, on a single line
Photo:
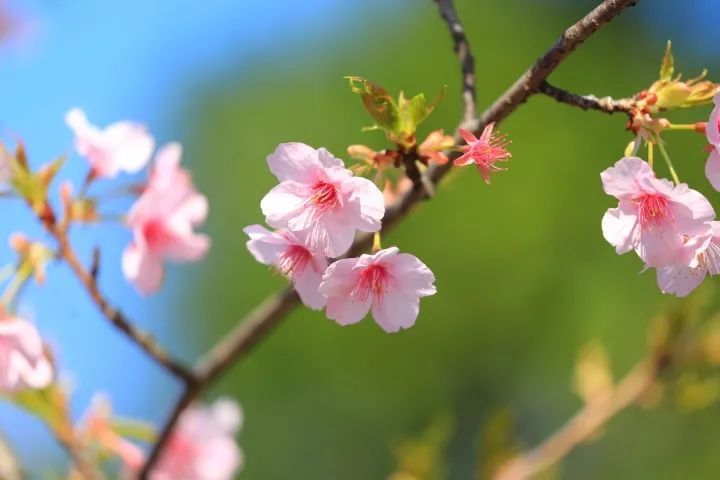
[(583, 425), (447, 10), (587, 102), (143, 340), (263, 320)]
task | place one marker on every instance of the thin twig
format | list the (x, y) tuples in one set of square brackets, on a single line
[(587, 102), (261, 321), (65, 436), (583, 425), (467, 61), (143, 340)]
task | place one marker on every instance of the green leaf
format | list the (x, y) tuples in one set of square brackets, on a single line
[(667, 68), (377, 101), (48, 404)]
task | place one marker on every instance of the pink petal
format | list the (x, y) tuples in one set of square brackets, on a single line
[(347, 310), (329, 237), (679, 280), (465, 159), (340, 278), (370, 203), (621, 180), (283, 203), (187, 248), (619, 227), (294, 161), (712, 168), (713, 127), (467, 136), (413, 276), (396, 310), (264, 245), (142, 269), (307, 285), (659, 246), (692, 212), (328, 160), (129, 144)]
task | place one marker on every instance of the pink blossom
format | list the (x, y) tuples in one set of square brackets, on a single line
[(289, 254), (388, 282), (485, 151), (712, 130), (202, 446), (681, 279), (163, 221), (320, 198), (23, 362), (121, 146), (97, 428), (654, 217)]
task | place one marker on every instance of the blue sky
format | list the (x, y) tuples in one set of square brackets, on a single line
[(137, 59)]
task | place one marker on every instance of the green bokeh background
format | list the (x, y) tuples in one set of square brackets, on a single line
[(524, 276)]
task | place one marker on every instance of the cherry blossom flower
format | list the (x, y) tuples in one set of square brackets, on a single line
[(202, 446), (681, 279), (289, 254), (23, 362), (484, 152), (121, 146), (96, 428), (162, 221), (387, 282), (654, 217), (319, 197)]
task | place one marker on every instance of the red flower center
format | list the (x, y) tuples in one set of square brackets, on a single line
[(372, 282), (324, 196), (653, 209), (293, 260), (156, 234)]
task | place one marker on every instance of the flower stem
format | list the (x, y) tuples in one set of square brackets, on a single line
[(377, 246), (665, 156), (651, 154)]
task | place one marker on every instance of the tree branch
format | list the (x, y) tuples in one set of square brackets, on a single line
[(143, 340), (467, 61), (583, 425), (261, 321), (587, 102)]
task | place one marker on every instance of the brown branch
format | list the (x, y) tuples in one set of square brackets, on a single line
[(65, 436), (587, 102), (583, 425), (261, 321), (143, 340), (467, 61)]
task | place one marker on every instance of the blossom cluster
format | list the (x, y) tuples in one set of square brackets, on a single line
[(670, 226), (163, 218), (316, 209)]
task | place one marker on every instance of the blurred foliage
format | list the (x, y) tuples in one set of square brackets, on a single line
[(524, 275)]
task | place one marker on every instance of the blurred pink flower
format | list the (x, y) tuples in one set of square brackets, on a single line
[(121, 146), (319, 197), (203, 446), (388, 282), (23, 362), (654, 217), (681, 279), (162, 220), (485, 151), (97, 428), (289, 254)]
